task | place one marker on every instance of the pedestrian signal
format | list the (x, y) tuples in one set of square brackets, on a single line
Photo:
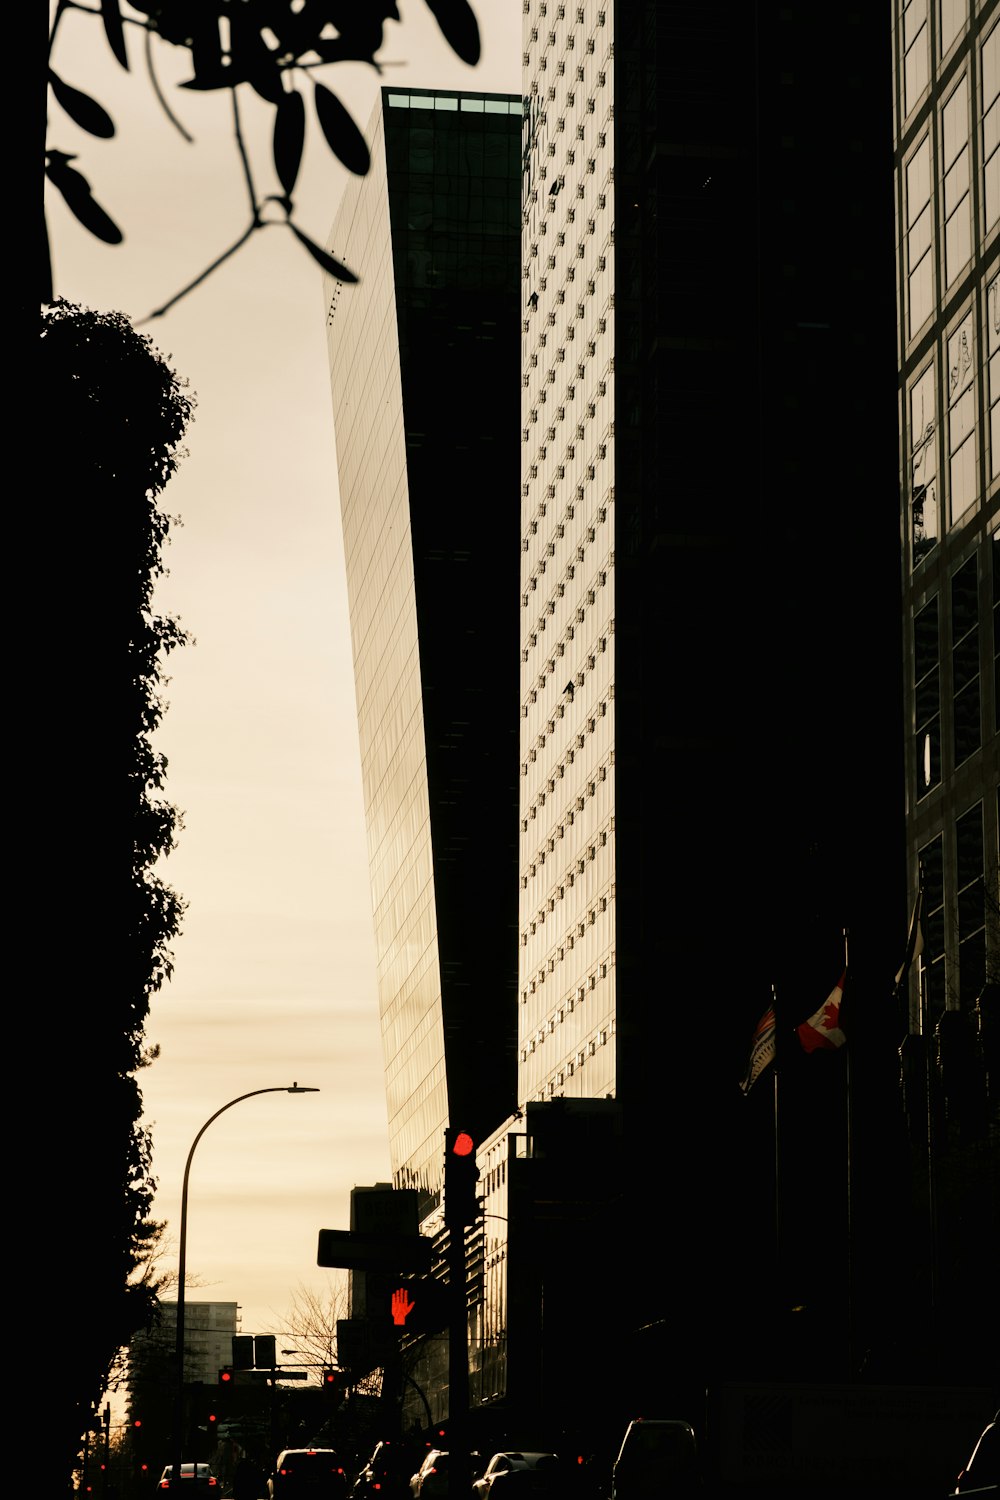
[(419, 1305)]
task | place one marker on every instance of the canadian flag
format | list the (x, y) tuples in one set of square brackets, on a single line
[(823, 1029)]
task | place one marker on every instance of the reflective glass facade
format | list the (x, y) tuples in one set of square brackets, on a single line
[(423, 359), (947, 131)]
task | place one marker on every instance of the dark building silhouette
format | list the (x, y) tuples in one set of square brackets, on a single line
[(424, 367), (717, 801)]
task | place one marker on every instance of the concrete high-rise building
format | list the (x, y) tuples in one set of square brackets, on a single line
[(424, 373), (710, 808), (946, 80)]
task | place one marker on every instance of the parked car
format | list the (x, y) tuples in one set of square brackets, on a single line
[(314, 1472), (657, 1455), (194, 1479), (430, 1482), (514, 1472), (386, 1475), (981, 1473)]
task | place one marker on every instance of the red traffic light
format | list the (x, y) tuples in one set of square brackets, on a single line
[(226, 1377), (461, 1174), (329, 1379)]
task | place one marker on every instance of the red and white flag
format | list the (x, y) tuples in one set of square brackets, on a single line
[(762, 1050), (823, 1029)]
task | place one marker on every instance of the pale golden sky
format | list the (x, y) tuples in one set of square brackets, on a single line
[(274, 970)]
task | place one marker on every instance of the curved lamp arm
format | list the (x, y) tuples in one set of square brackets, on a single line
[(294, 1088)]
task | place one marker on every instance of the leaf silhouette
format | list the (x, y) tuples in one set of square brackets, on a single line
[(82, 110), (342, 135), (76, 191), (359, 33), (289, 138), (331, 266), (114, 30), (459, 27), (252, 56)]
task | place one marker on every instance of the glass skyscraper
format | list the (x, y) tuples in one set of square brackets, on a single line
[(946, 97), (424, 368)]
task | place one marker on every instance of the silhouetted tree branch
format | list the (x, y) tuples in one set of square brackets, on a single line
[(273, 48)]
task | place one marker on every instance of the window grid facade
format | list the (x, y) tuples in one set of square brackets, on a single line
[(947, 79), (566, 980)]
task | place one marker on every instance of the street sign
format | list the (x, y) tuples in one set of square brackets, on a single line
[(352, 1251), (280, 1374), (363, 1346)]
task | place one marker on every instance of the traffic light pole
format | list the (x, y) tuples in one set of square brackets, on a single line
[(459, 1466), (461, 1209)]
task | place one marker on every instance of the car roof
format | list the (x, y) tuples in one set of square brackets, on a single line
[(520, 1456)]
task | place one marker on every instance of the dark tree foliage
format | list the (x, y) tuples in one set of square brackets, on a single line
[(115, 414), (275, 48)]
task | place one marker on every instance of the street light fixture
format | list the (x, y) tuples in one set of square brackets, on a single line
[(178, 1443)]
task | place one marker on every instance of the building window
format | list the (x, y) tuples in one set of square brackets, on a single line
[(927, 711), (971, 905), (957, 202), (995, 554), (965, 661), (953, 15), (920, 280), (932, 960), (991, 128), (923, 466), (961, 421), (916, 67), (993, 338)]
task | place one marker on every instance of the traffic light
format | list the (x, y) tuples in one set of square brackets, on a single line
[(138, 1446), (243, 1351), (461, 1206), (419, 1304), (332, 1382), (328, 1379), (226, 1377), (264, 1353)]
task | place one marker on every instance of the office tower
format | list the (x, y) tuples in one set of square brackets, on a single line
[(424, 372), (710, 806), (946, 79)]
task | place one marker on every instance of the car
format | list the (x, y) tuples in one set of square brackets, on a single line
[(194, 1479), (656, 1454), (981, 1473), (314, 1472), (386, 1475), (521, 1473), (430, 1482)]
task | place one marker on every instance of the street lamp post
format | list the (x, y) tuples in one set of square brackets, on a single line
[(178, 1443)]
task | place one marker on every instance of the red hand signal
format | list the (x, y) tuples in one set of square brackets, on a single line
[(402, 1306)]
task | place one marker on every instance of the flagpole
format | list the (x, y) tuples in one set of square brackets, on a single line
[(777, 1163), (850, 1205), (931, 1196)]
